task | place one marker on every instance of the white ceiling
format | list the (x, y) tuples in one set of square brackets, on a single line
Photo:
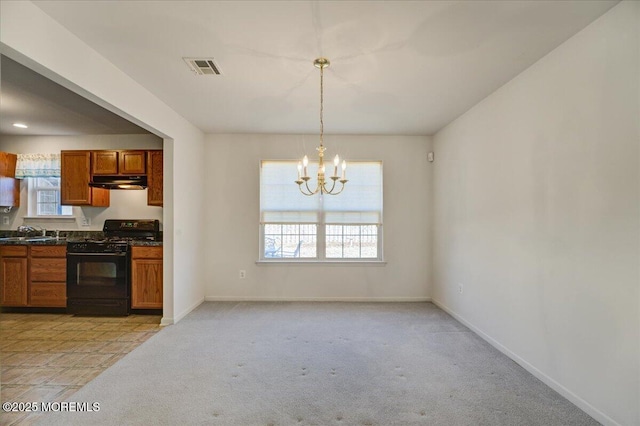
[(397, 67)]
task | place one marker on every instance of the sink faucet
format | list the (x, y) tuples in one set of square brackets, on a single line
[(26, 229)]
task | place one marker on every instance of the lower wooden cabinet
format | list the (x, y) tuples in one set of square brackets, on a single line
[(14, 273), (146, 277), (33, 276), (48, 276)]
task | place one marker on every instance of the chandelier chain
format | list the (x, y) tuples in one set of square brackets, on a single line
[(321, 104)]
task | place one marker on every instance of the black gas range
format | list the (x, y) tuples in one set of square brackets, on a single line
[(98, 270)]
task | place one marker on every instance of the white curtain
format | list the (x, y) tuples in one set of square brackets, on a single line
[(38, 165)]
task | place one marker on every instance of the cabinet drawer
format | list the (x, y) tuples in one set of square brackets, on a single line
[(14, 251), (48, 295), (48, 251), (154, 252), (48, 269)]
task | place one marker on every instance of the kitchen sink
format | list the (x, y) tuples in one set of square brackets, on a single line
[(27, 239)]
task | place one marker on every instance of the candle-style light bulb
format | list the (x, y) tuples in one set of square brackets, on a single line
[(305, 162), (336, 161), (344, 167), (299, 169)]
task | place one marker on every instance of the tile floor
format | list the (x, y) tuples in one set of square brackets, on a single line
[(47, 357)]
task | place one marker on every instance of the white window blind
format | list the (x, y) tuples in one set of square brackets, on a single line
[(282, 202)]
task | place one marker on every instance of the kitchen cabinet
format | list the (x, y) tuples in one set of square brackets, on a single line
[(8, 164), (104, 162), (154, 178), (13, 273), (146, 277), (75, 168), (48, 276), (33, 276), (9, 185), (9, 192), (118, 162)]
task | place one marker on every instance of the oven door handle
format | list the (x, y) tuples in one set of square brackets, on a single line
[(96, 254)]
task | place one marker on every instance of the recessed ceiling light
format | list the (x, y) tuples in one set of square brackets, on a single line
[(22, 126)]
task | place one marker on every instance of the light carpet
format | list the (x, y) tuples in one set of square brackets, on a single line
[(318, 364)]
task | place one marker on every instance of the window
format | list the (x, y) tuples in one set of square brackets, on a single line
[(342, 227), (44, 197)]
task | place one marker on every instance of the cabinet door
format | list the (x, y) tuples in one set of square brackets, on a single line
[(13, 287), (132, 163), (104, 162), (74, 181), (9, 192), (154, 178), (8, 164), (146, 284)]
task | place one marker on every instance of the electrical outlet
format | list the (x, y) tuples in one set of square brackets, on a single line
[(460, 288), (243, 274), (85, 221), (5, 220)]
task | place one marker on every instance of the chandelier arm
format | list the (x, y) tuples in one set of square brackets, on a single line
[(309, 189), (303, 193), (332, 187), (336, 193)]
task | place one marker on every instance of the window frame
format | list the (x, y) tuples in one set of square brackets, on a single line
[(32, 198), (321, 228)]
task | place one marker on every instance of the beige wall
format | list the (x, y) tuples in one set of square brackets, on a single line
[(537, 216), (232, 225)]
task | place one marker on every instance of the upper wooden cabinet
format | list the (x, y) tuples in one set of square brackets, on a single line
[(118, 163), (154, 178), (75, 167), (104, 162), (9, 192), (9, 186), (8, 164)]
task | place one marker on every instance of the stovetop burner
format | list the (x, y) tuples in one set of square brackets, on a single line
[(117, 236)]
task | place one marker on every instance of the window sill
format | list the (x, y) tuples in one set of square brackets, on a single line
[(51, 218), (357, 262)]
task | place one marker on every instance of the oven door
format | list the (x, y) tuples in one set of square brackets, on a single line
[(98, 283)]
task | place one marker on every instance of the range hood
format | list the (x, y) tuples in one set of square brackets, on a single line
[(119, 182)]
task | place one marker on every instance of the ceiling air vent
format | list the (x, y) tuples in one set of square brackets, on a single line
[(203, 66)]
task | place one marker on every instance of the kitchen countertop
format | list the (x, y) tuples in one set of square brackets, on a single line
[(67, 236), (64, 241)]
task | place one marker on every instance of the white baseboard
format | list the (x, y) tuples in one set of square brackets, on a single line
[(170, 321), (166, 321), (575, 399), (314, 299)]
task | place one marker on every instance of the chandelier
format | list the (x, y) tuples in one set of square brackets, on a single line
[(303, 176)]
